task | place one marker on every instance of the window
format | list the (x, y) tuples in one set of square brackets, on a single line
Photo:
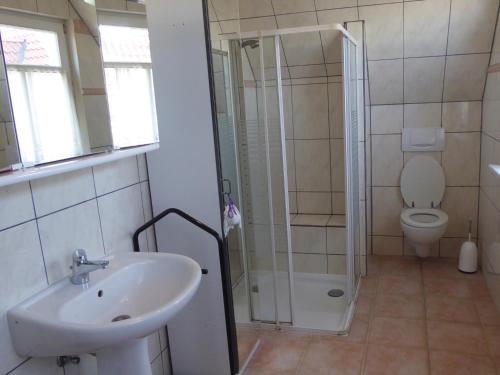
[(39, 82), (129, 84)]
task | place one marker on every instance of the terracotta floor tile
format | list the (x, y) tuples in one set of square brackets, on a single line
[(399, 332), (478, 287), (399, 306), (251, 371), (245, 345), (492, 335), (446, 363), (451, 309), (445, 268), (332, 357), (364, 304), (488, 312), (456, 337), (384, 360), (369, 285), (359, 328), (279, 353), (448, 287), (400, 285), (400, 266)]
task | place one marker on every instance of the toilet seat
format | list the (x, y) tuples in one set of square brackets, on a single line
[(424, 217)]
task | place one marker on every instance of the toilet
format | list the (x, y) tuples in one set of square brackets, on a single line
[(422, 188)]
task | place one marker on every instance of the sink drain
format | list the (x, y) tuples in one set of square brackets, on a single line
[(336, 293), (120, 317)]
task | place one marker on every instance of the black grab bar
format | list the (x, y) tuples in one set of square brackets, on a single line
[(225, 271)]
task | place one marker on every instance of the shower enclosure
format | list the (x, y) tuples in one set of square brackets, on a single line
[(290, 163)]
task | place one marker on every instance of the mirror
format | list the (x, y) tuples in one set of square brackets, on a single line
[(57, 101)]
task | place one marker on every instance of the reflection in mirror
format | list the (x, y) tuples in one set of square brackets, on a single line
[(9, 154), (129, 78), (56, 82)]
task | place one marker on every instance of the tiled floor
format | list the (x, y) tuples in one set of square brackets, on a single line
[(414, 318)]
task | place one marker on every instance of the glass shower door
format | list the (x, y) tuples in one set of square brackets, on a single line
[(263, 177), (351, 166)]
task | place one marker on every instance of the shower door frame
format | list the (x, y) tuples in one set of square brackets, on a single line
[(260, 35)]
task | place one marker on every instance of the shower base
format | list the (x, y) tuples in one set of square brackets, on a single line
[(314, 308)]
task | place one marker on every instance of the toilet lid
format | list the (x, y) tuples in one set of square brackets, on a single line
[(422, 182)]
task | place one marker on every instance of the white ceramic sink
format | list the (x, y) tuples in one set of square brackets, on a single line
[(68, 319)]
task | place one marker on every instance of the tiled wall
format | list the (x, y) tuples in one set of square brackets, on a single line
[(43, 221), (489, 200), (427, 68)]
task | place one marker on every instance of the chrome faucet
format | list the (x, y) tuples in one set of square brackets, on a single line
[(82, 267)]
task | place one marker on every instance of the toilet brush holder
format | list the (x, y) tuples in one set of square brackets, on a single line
[(468, 255)]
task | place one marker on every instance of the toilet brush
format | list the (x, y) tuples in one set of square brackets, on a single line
[(468, 254)]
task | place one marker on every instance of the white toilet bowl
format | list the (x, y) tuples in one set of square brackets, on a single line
[(423, 227), (422, 187)]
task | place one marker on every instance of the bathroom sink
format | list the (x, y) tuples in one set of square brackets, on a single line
[(111, 315)]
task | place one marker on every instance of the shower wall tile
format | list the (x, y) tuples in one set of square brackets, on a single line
[(335, 97), (336, 240), (314, 203), (338, 203), (294, 6), (337, 264), (309, 239), (310, 111), (312, 158), (337, 164), (310, 263)]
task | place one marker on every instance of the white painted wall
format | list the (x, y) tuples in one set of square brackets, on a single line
[(183, 174)]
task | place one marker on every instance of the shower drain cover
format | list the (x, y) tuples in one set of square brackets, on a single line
[(336, 293)]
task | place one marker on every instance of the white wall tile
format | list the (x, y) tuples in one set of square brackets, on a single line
[(332, 4), (57, 192), (118, 228), (472, 27), (338, 203), (386, 81), (16, 204), (384, 30), (111, 4), (310, 111), (67, 230), (314, 203), (387, 245), (157, 367), (19, 4), (491, 106), (226, 9), (310, 263), (58, 8), (426, 28), (116, 175), (387, 208), (462, 116), (387, 161), (22, 267), (148, 215), (423, 79), (461, 204), (335, 97), (337, 264), (386, 119), (426, 115), (255, 8), (336, 240), (309, 239), (465, 77), (461, 159), (143, 167), (39, 366), (292, 6), (312, 165), (337, 164)]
